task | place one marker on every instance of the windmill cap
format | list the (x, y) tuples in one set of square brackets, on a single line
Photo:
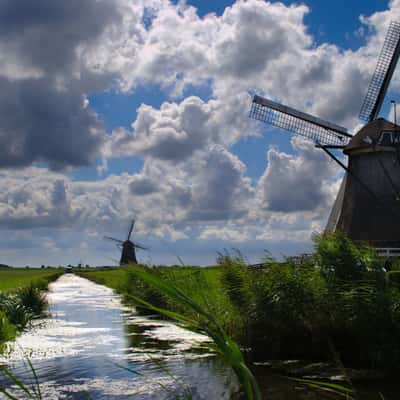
[(369, 135)]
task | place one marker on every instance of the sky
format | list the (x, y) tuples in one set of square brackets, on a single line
[(114, 110)]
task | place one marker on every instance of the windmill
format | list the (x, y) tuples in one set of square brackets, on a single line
[(128, 253), (367, 207)]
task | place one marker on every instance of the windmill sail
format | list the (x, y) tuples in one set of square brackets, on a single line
[(383, 74), (113, 239), (131, 229), (297, 122), (139, 246)]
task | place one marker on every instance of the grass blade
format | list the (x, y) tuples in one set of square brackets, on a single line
[(333, 387), (10, 396), (37, 385), (17, 382)]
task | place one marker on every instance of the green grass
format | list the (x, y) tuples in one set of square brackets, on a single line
[(13, 278), (202, 283), (194, 279), (113, 278)]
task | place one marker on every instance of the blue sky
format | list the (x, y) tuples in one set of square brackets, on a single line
[(333, 21), (144, 114), (327, 22)]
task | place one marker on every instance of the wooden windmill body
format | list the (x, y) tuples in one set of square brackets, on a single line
[(373, 216), (367, 207)]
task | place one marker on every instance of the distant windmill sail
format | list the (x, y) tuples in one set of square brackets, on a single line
[(367, 205), (128, 252), (115, 240)]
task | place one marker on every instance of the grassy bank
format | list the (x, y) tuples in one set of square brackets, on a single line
[(339, 304), (14, 278), (22, 298), (203, 285)]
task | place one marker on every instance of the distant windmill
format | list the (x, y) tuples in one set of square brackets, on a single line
[(128, 254), (367, 207)]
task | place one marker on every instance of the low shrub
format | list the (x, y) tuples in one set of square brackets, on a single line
[(393, 279), (16, 312), (33, 299), (340, 259), (7, 330), (338, 296), (18, 308)]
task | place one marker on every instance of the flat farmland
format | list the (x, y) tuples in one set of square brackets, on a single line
[(14, 278)]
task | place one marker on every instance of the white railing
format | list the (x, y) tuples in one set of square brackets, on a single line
[(388, 251)]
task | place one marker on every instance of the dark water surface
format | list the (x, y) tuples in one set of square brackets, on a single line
[(91, 338), (83, 351)]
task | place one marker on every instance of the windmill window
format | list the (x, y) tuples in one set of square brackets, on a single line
[(386, 139), (389, 138)]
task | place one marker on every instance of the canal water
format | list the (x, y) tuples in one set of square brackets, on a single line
[(91, 346)]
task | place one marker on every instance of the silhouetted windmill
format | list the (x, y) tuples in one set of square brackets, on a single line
[(128, 253), (367, 207)]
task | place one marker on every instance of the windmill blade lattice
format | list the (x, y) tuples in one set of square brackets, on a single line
[(383, 74), (316, 129)]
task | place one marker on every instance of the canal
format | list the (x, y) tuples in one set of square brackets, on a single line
[(93, 347)]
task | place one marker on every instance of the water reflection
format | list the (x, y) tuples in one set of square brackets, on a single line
[(92, 338)]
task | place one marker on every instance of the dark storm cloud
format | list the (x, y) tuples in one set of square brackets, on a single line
[(39, 123), (143, 186), (46, 33), (43, 116)]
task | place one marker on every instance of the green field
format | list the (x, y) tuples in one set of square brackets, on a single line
[(14, 278), (112, 278)]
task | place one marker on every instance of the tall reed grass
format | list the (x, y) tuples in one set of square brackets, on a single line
[(202, 321)]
